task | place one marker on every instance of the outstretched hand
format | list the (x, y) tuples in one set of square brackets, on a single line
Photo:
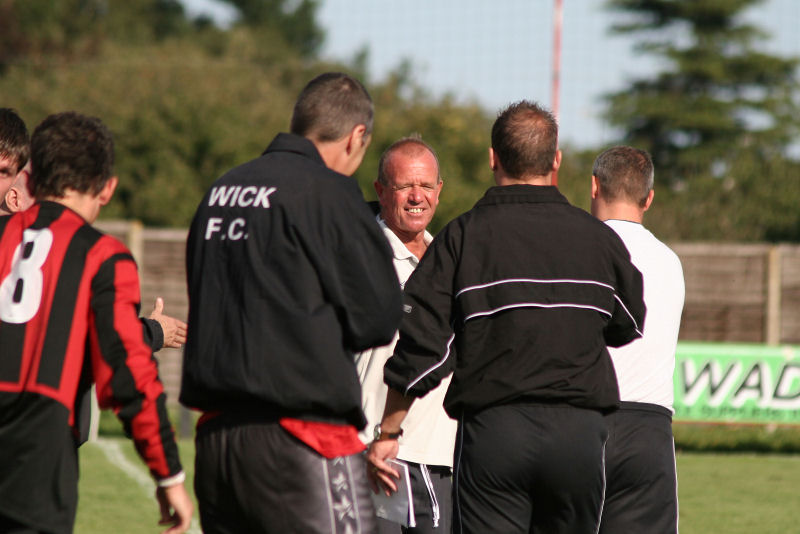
[(174, 329)]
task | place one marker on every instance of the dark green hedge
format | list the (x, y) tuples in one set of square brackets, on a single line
[(698, 437)]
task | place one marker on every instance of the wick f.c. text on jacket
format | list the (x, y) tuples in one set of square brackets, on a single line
[(289, 275)]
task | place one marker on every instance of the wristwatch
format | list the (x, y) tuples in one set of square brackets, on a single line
[(380, 435)]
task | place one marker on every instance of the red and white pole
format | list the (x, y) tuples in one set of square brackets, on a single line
[(558, 22)]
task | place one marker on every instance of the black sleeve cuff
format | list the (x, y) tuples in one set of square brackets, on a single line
[(153, 333)]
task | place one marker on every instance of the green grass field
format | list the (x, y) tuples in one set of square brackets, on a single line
[(121, 499), (719, 493)]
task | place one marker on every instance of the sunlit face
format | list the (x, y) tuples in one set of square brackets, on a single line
[(8, 171), (409, 200)]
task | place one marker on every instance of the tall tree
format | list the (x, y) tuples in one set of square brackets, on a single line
[(717, 96)]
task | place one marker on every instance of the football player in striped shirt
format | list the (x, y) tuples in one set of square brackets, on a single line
[(69, 302)]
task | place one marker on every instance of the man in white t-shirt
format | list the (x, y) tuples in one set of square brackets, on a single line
[(408, 187), (641, 492)]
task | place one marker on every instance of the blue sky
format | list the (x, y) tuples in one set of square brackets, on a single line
[(501, 51)]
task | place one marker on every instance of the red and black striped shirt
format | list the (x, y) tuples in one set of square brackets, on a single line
[(69, 303)]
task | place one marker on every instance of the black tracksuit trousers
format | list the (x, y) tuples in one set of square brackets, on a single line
[(255, 477), (529, 468)]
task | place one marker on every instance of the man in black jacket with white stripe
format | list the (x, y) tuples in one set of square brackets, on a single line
[(519, 298)]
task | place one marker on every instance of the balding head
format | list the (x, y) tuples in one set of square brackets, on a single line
[(412, 146)]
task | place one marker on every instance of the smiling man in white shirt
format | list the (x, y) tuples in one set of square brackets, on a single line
[(408, 188)]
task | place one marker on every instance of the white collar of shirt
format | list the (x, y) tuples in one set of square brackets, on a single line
[(399, 250)]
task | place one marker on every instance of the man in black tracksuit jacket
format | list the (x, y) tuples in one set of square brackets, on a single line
[(519, 297), (289, 275)]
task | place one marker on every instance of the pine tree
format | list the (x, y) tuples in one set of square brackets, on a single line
[(717, 96)]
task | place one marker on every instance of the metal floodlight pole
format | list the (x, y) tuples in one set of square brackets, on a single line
[(558, 21)]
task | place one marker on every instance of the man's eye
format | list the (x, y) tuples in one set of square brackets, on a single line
[(427, 188)]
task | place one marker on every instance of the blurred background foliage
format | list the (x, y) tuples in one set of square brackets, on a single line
[(187, 100)]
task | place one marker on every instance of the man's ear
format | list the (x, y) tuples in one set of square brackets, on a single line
[(12, 199), (557, 161), (438, 192), (595, 187), (108, 190), (492, 159), (357, 139), (649, 200)]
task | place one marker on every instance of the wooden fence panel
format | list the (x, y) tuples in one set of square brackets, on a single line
[(726, 294), (790, 294), (164, 275)]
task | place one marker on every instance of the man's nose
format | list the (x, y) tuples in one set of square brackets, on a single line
[(416, 194)]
